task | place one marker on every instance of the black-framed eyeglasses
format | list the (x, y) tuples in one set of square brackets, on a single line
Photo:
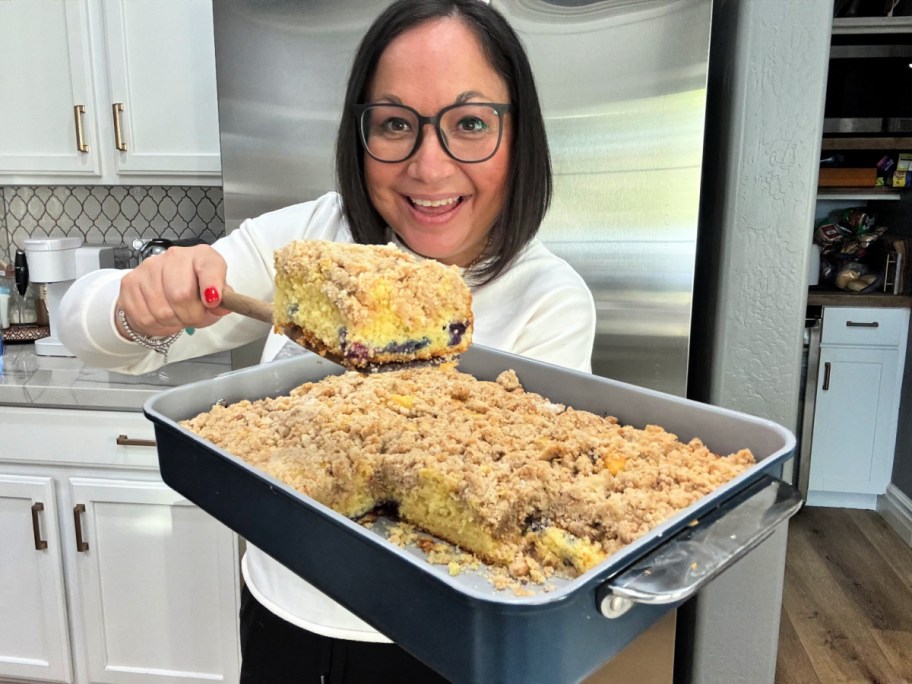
[(469, 132)]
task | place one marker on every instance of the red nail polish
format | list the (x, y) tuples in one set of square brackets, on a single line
[(211, 294)]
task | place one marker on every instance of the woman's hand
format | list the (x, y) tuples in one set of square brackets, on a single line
[(180, 288)]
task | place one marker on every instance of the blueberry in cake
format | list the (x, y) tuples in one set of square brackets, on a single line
[(366, 305), (530, 486)]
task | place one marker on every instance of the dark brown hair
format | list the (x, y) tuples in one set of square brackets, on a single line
[(529, 182)]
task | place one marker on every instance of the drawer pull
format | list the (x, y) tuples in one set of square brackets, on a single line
[(826, 376), (857, 324), (81, 545), (123, 440), (40, 544)]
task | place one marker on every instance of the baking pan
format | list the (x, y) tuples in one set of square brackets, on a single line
[(462, 626)]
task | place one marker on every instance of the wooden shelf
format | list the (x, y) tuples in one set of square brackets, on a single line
[(903, 142), (881, 194), (861, 25)]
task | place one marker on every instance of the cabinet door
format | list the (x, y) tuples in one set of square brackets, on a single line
[(45, 73), (34, 640), (854, 420), (158, 583), (161, 66)]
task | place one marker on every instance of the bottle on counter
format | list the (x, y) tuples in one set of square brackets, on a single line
[(6, 288), (4, 308)]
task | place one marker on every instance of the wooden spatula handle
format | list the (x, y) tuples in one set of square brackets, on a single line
[(246, 306)]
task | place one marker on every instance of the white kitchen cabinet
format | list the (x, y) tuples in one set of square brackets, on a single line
[(34, 641), (862, 353), (160, 59), (45, 79), (135, 584), (108, 92)]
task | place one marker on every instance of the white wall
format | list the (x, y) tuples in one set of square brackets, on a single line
[(768, 63)]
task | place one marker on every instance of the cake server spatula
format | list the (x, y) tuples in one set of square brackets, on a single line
[(246, 306)]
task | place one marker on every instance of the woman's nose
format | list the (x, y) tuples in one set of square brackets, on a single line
[(431, 161)]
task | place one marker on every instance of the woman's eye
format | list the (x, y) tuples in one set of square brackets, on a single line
[(471, 124), (394, 126)]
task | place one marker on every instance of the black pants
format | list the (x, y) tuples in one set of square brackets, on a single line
[(277, 652)]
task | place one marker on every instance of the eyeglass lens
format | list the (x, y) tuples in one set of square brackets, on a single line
[(470, 132)]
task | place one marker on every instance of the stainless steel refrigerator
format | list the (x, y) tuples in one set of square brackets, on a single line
[(623, 89)]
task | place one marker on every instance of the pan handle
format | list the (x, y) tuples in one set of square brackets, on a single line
[(679, 568)]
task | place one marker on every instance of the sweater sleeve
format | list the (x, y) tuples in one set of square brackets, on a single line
[(86, 317), (86, 323)]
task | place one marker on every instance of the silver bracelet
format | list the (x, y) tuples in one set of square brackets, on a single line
[(156, 344)]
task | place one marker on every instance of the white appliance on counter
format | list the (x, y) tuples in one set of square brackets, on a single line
[(56, 263)]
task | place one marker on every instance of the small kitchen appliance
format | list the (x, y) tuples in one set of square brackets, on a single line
[(56, 263)]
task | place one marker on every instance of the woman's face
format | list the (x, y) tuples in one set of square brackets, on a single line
[(439, 207)]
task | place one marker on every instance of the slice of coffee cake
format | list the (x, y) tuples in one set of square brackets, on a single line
[(365, 305)]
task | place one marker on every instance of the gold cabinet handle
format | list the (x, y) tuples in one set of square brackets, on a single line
[(78, 114), (118, 108), (81, 545), (123, 440), (40, 544)]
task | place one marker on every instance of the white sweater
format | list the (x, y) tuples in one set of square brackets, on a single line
[(540, 308)]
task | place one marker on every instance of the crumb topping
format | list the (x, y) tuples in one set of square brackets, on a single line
[(532, 486)]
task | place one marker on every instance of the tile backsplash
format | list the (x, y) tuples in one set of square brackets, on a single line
[(114, 215)]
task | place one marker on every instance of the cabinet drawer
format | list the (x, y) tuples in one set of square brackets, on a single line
[(864, 326), (77, 437)]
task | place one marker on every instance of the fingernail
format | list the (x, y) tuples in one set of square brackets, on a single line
[(190, 331), (211, 294)]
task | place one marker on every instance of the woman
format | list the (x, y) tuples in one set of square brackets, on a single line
[(441, 150)]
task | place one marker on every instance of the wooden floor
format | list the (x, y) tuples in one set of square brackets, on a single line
[(847, 602)]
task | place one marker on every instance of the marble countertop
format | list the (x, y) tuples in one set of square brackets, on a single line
[(27, 379)]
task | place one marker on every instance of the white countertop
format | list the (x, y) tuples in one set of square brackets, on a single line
[(27, 379)]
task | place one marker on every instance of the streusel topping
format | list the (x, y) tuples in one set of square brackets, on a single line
[(516, 479)]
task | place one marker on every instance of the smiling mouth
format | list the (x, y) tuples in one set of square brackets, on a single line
[(438, 205)]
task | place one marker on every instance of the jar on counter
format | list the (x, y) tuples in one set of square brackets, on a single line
[(23, 308)]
